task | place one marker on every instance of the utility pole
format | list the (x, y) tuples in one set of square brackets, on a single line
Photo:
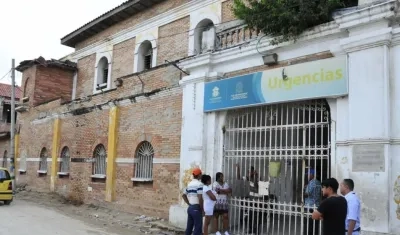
[(12, 131)]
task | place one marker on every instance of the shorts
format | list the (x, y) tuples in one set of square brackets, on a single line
[(220, 212), (209, 211)]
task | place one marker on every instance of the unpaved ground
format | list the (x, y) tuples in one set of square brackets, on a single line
[(106, 219), (22, 217)]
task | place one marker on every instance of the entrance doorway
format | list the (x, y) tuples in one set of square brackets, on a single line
[(269, 152)]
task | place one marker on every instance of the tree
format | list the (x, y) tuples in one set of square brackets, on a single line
[(285, 20)]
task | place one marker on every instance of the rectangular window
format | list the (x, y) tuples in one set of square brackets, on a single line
[(105, 75), (147, 61)]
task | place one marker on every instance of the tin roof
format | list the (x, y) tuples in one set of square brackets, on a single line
[(106, 20)]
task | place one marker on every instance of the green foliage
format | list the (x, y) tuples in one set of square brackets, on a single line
[(285, 20)]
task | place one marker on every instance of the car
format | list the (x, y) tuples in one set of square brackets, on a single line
[(6, 191)]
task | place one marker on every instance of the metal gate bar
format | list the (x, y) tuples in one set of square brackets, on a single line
[(281, 142)]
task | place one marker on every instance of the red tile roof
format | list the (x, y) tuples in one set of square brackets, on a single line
[(5, 91)]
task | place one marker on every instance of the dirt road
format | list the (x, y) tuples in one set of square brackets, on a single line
[(44, 213), (23, 217)]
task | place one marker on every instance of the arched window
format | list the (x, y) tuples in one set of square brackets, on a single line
[(43, 161), (99, 164), (64, 164), (26, 87), (5, 159), (102, 74), (204, 36), (144, 162), (145, 56)]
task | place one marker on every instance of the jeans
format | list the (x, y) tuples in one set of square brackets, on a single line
[(195, 219)]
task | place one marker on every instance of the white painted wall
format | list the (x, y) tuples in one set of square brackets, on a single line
[(370, 114)]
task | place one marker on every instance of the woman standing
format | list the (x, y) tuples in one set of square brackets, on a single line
[(209, 197), (221, 207)]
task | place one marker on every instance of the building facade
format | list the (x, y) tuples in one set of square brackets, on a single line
[(155, 88), (103, 124), (5, 121), (327, 102)]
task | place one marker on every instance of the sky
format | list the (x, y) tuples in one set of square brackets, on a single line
[(33, 28)]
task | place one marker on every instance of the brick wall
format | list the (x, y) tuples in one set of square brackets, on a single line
[(123, 58), (227, 13), (86, 68), (28, 82), (132, 21), (52, 83), (155, 117), (174, 40)]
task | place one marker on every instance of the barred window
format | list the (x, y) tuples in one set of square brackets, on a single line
[(64, 164), (144, 163), (43, 160), (99, 160)]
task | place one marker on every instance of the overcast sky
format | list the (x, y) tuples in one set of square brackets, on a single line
[(33, 28)]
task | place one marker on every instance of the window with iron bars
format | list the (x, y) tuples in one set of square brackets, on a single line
[(105, 75), (43, 160), (99, 164), (65, 158), (144, 163), (5, 159), (148, 60)]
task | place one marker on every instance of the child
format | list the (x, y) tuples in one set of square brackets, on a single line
[(209, 197)]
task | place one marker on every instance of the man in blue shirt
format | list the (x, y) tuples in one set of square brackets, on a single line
[(312, 194), (353, 207)]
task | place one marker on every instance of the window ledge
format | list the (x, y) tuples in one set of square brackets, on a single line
[(63, 173), (22, 171), (41, 172), (141, 179), (98, 176)]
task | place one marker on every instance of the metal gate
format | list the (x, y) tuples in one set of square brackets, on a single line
[(267, 152)]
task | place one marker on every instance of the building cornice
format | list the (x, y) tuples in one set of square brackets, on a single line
[(256, 47), (157, 21), (365, 41), (367, 15)]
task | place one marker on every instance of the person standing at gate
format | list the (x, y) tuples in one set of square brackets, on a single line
[(221, 207), (209, 197), (333, 209), (193, 196), (312, 194), (253, 214), (353, 207)]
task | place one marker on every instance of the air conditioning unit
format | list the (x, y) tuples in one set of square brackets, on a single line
[(208, 40)]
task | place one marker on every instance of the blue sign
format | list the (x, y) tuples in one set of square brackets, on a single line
[(322, 78)]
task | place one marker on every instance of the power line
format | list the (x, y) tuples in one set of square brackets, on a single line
[(5, 74)]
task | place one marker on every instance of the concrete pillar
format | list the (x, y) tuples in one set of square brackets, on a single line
[(112, 153), (54, 154), (363, 150)]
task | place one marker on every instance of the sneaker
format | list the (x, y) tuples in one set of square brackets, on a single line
[(218, 233), (226, 233)]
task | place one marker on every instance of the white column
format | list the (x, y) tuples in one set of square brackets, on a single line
[(394, 182), (363, 122)]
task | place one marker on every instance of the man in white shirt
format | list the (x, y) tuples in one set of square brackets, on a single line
[(193, 196), (353, 207)]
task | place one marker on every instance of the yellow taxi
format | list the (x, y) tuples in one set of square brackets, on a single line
[(6, 192)]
